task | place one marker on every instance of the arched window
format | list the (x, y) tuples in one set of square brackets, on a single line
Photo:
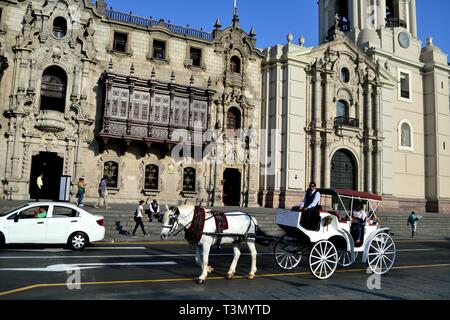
[(111, 171), (151, 177), (233, 119), (235, 64), (405, 136), (189, 180), (53, 89), (59, 27)]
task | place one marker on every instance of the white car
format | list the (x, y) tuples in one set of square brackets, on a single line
[(51, 223)]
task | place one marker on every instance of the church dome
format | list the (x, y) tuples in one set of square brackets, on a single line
[(430, 46)]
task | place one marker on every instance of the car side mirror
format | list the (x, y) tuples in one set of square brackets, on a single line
[(16, 218)]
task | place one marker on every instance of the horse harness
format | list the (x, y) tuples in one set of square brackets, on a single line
[(194, 232)]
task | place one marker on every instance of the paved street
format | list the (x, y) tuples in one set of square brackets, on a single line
[(155, 270)]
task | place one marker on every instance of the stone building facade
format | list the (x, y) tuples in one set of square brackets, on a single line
[(367, 109), (86, 92)]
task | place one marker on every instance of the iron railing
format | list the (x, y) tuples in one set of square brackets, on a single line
[(146, 22), (395, 23), (348, 122)]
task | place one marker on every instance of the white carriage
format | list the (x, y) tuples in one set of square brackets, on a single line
[(330, 243)]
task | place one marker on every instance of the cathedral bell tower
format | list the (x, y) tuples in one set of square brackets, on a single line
[(367, 21)]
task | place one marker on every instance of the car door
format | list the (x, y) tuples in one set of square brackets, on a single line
[(28, 228), (62, 222)]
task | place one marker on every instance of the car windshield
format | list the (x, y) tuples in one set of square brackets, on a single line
[(3, 214)]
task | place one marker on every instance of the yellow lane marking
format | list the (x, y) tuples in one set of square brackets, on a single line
[(184, 242), (49, 285)]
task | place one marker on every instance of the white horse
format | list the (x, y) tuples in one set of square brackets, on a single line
[(240, 225)]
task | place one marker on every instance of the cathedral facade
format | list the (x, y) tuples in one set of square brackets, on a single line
[(90, 92), (367, 109)]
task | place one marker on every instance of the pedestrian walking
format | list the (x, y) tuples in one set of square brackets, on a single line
[(102, 193), (138, 215), (81, 192), (412, 222)]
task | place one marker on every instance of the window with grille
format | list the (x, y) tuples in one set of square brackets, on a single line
[(235, 64), (233, 119), (53, 89), (195, 56), (111, 171), (189, 180), (151, 177), (59, 27), (120, 42), (159, 49)]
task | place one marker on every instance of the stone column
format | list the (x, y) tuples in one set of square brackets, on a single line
[(413, 18), (377, 170), (316, 100), (354, 17), (316, 160), (368, 168), (326, 165), (382, 13), (325, 114), (15, 159), (377, 150)]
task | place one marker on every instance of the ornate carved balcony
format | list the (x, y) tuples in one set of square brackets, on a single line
[(152, 111), (51, 121)]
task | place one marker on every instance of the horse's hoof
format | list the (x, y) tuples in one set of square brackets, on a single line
[(251, 277), (229, 276), (200, 281), (211, 271)]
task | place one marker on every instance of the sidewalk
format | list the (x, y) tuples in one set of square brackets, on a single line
[(119, 222)]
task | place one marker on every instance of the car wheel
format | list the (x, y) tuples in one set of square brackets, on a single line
[(78, 241), (2, 240)]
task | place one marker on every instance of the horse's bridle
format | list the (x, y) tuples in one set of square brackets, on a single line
[(173, 225)]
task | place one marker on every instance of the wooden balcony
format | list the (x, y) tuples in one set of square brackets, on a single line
[(152, 111)]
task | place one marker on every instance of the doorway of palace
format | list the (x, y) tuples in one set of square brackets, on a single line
[(343, 171), (51, 167), (232, 187)]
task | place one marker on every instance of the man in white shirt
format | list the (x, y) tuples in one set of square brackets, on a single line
[(359, 217), (309, 207), (154, 210)]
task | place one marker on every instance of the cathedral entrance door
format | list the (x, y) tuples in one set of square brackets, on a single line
[(51, 167), (232, 187), (343, 171)]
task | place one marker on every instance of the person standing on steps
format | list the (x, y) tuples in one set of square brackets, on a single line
[(155, 210), (138, 215)]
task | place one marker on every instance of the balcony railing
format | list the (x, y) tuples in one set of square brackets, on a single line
[(347, 122), (395, 23), (145, 22)]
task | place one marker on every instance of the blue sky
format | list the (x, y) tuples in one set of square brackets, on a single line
[(273, 20)]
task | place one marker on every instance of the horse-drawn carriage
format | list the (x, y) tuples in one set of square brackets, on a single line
[(330, 242), (327, 244)]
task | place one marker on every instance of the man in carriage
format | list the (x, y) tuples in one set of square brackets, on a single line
[(309, 207)]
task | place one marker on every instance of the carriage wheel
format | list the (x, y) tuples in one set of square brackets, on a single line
[(287, 256), (381, 254), (345, 258), (323, 259)]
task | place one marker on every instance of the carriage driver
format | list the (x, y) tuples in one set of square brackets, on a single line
[(309, 205)]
